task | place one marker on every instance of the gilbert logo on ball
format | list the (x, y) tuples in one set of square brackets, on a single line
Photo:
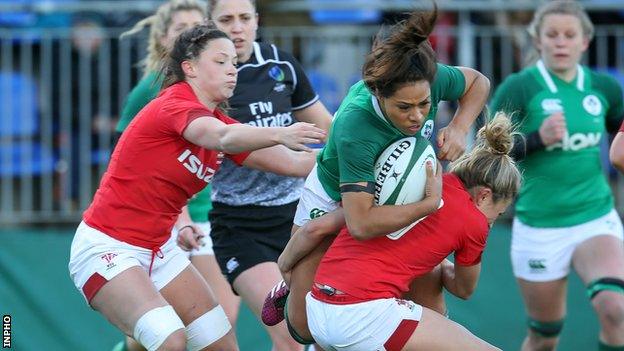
[(401, 174)]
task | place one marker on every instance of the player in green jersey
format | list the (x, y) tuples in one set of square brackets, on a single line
[(171, 19), (398, 97), (564, 213)]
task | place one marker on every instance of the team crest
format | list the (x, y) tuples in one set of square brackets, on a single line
[(427, 129), (551, 106), (276, 73), (592, 105)]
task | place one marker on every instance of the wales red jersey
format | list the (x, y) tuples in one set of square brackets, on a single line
[(154, 170), (384, 268)]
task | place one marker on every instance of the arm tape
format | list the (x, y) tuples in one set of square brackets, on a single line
[(356, 188)]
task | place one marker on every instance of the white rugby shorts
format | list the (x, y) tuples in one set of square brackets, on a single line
[(545, 254), (314, 201), (96, 258), (363, 326)]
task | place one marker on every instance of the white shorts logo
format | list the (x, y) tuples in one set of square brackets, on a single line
[(232, 264), (592, 105)]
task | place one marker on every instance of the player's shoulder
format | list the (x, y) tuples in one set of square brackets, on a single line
[(602, 80)]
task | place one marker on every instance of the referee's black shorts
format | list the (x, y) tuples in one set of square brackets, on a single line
[(244, 236)]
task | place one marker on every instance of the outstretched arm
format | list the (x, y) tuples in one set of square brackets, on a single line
[(308, 237), (213, 134), (280, 160)]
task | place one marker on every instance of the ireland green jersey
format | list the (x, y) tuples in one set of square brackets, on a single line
[(144, 92), (360, 131), (563, 184)]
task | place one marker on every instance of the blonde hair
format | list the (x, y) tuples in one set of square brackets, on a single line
[(558, 7), (159, 24), (489, 164)]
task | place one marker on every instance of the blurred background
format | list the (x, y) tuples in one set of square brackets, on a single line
[(65, 74)]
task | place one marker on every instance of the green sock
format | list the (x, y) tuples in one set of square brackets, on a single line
[(121, 346), (604, 347)]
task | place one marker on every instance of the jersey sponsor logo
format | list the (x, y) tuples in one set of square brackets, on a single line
[(232, 264), (592, 105), (194, 165), (387, 166), (551, 106), (279, 87), (276, 73), (537, 265), (259, 108), (427, 129), (316, 213), (576, 141)]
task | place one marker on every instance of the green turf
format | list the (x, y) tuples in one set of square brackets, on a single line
[(49, 314)]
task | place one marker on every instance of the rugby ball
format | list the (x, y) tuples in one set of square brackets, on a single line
[(401, 174)]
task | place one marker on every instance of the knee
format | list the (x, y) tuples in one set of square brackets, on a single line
[(160, 329), (174, 342), (610, 308)]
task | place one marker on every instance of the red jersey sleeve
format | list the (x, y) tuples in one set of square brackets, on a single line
[(176, 115), (472, 248)]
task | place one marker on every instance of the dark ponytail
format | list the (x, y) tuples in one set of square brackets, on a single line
[(401, 54)]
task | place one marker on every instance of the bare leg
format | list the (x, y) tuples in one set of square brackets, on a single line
[(545, 302), (209, 269), (127, 297), (252, 285), (437, 333), (191, 297), (427, 291), (601, 257), (300, 284)]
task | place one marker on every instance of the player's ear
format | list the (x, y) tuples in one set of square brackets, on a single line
[(483, 194), (189, 68)]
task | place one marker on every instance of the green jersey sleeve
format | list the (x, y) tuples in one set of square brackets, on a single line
[(144, 92), (510, 98), (449, 84), (613, 93), (357, 154)]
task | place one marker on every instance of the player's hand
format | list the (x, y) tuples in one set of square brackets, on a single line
[(553, 129), (298, 135), (190, 237), (433, 186), (451, 142)]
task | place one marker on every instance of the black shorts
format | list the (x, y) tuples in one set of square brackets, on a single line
[(244, 236)]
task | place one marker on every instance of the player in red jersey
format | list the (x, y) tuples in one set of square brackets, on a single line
[(361, 282), (122, 259)]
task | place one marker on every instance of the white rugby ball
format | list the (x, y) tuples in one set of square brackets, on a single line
[(401, 174)]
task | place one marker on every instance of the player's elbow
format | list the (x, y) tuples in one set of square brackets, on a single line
[(317, 229), (617, 160), (359, 231), (465, 291)]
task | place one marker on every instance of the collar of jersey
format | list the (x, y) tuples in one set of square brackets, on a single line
[(380, 113), (548, 78)]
